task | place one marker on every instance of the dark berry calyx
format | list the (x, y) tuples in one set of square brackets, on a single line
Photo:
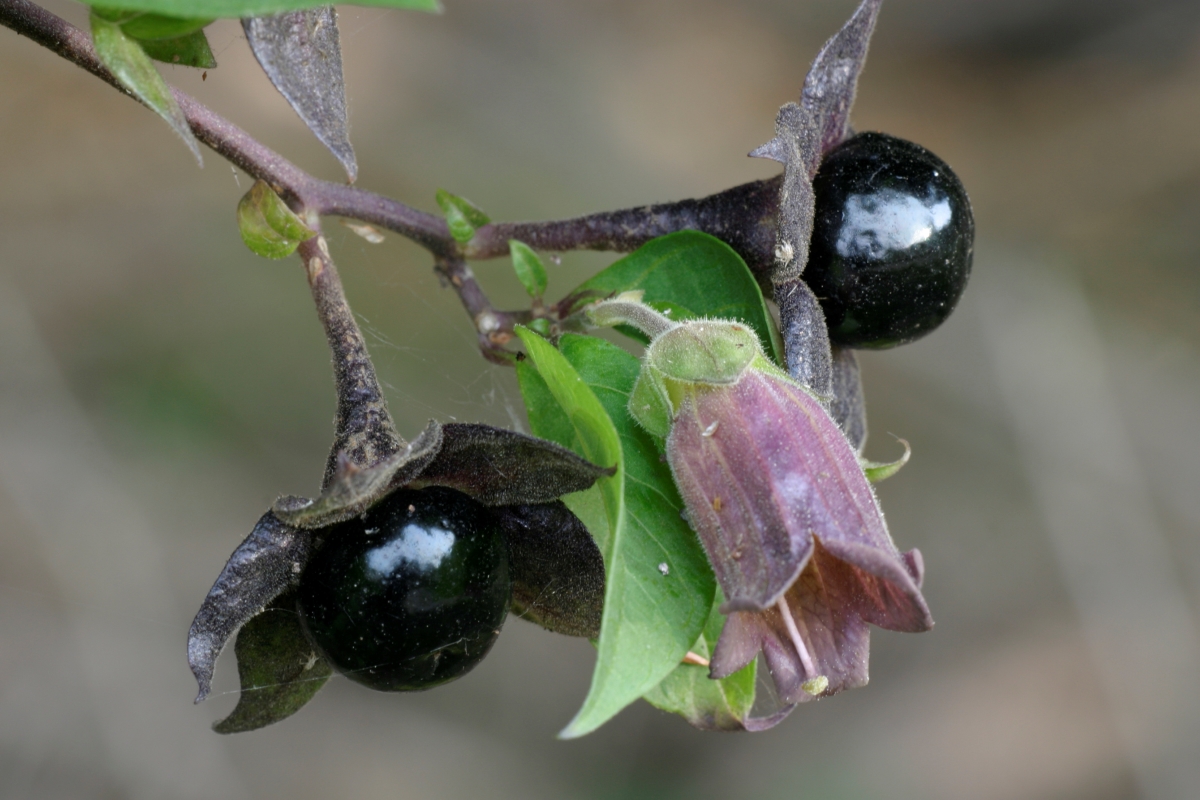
[(409, 595), (892, 241)]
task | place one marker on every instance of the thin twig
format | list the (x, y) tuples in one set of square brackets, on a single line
[(744, 216), (495, 327), (237, 146)]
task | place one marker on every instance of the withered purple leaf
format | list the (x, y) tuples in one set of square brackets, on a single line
[(301, 54), (368, 461), (804, 132), (806, 348), (832, 81), (848, 407), (354, 488), (264, 566), (279, 669), (556, 569), (500, 467)]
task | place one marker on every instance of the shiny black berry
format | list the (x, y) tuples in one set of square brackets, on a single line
[(892, 241), (409, 595)]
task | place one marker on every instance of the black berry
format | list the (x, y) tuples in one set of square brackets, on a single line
[(892, 241), (411, 594)]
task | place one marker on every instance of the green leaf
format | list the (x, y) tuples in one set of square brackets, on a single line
[(462, 216), (689, 274), (592, 433), (546, 417), (650, 619), (548, 420), (279, 670), (529, 268), (172, 40), (722, 705), (191, 50), (128, 62), (148, 26), (250, 8), (267, 225)]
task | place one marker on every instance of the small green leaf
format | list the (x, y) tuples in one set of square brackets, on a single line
[(688, 274), (146, 26), (172, 40), (722, 705), (529, 268), (462, 216), (279, 670), (191, 50), (593, 435), (268, 226), (128, 62), (250, 8), (277, 214), (258, 235), (650, 620)]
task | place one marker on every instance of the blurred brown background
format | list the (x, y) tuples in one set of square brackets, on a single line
[(159, 386)]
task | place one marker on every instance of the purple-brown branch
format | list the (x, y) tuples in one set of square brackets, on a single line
[(744, 216), (495, 327), (235, 145), (363, 431)]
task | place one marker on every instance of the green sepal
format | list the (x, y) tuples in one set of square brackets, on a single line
[(279, 669), (191, 50), (462, 216), (682, 358), (268, 227), (877, 471), (129, 64), (529, 268), (704, 351), (650, 405)]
